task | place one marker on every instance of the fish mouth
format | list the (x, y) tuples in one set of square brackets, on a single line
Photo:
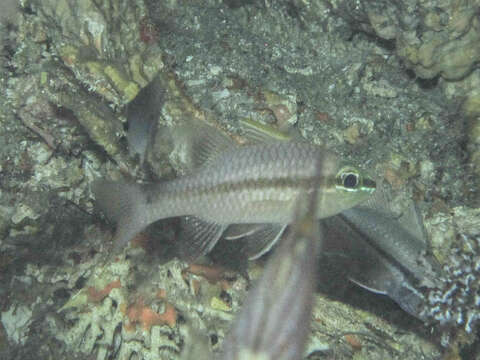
[(369, 185)]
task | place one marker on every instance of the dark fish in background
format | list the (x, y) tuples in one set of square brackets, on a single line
[(142, 116), (383, 253), (256, 184)]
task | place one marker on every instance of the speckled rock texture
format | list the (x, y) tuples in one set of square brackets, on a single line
[(437, 40), (389, 85), (431, 37)]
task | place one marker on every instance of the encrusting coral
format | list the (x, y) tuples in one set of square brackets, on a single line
[(144, 315)]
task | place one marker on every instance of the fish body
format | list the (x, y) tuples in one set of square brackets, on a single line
[(249, 184), (254, 184), (404, 244), (382, 254)]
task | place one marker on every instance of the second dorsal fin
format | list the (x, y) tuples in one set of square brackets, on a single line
[(410, 219), (202, 142)]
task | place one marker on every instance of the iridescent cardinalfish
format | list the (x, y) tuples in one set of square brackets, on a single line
[(250, 184), (382, 252)]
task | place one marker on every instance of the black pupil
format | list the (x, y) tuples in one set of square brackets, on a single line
[(350, 181)]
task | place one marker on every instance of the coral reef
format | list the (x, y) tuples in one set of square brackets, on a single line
[(455, 303), (103, 318), (82, 42), (436, 40), (458, 300), (432, 37), (70, 68)]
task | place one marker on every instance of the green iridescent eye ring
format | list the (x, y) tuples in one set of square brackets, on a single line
[(351, 179), (348, 179)]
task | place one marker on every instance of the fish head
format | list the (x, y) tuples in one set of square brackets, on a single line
[(349, 187)]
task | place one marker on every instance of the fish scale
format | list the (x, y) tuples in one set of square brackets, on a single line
[(238, 180)]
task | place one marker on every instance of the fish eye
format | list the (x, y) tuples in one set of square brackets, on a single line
[(350, 180)]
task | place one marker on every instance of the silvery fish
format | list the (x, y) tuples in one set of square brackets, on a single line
[(251, 184), (383, 253)]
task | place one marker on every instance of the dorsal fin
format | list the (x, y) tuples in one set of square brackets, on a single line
[(410, 219), (256, 132), (381, 200), (203, 142)]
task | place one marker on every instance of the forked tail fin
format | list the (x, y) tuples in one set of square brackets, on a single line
[(123, 203)]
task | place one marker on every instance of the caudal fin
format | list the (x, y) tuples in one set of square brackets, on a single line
[(124, 204)]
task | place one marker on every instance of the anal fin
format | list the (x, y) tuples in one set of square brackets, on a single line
[(258, 242), (238, 231), (198, 237)]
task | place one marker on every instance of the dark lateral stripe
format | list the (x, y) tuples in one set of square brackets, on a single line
[(257, 184)]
